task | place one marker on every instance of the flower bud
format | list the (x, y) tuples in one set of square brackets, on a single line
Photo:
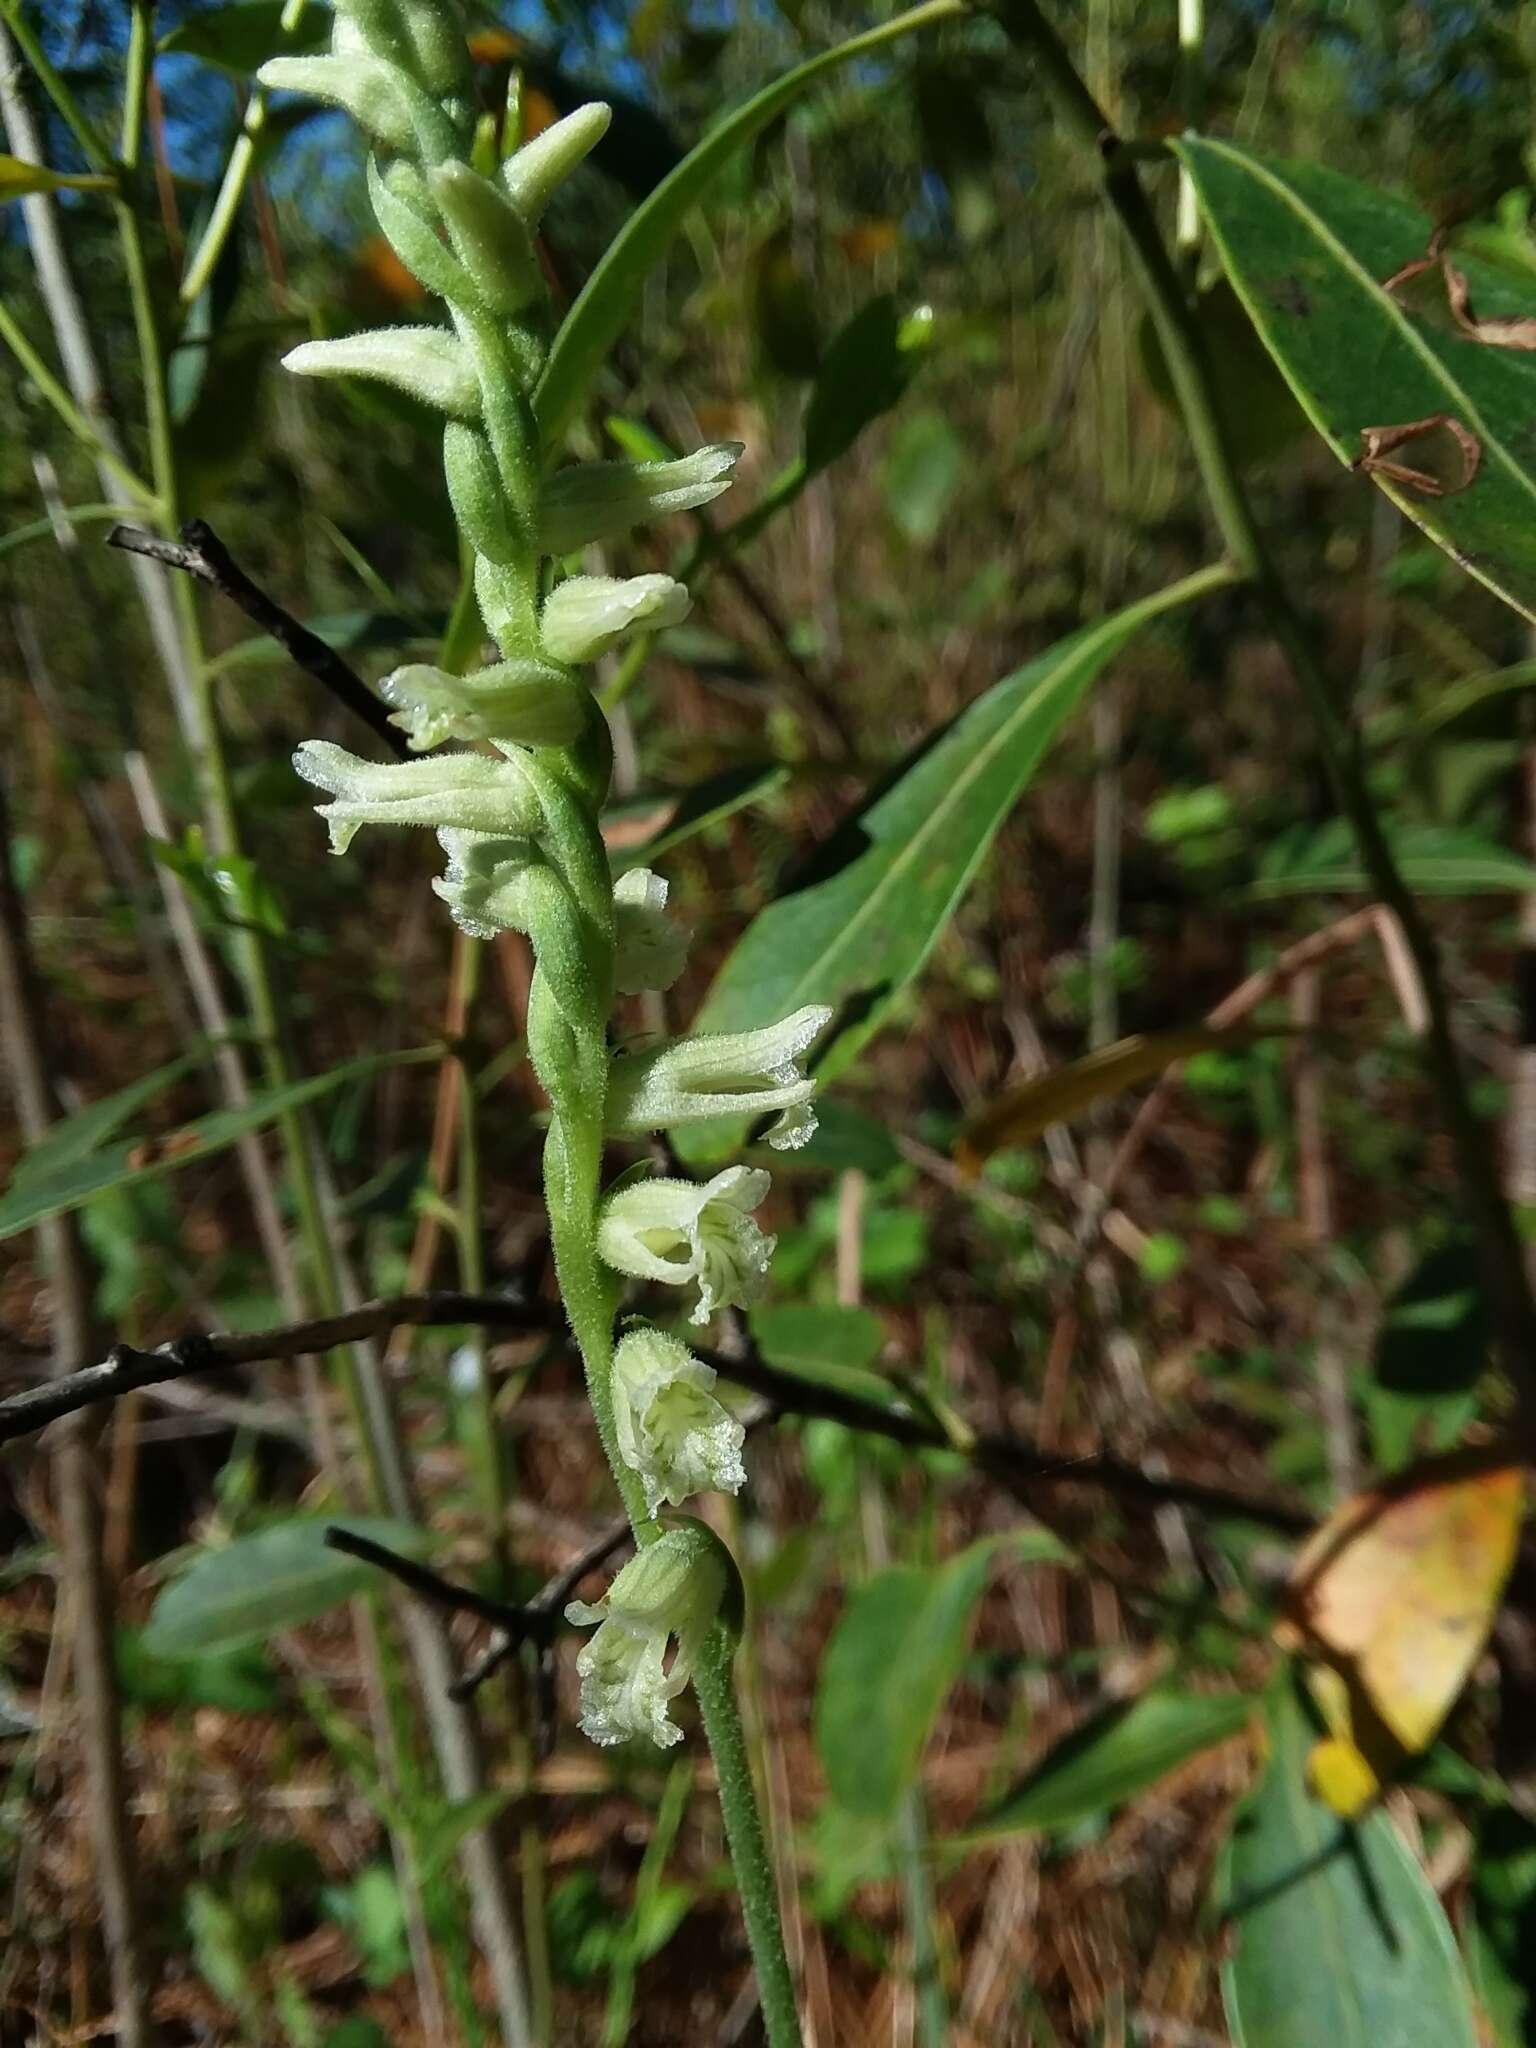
[(426, 362), (363, 86), (402, 208), (489, 236), (479, 502), (738, 1073), (526, 703), (532, 172), (680, 1232), (485, 883), (464, 790), (673, 1588), (593, 500), (670, 1427), (436, 33), (651, 949), (584, 616)]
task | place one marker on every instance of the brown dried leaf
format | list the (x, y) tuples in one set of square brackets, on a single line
[(1382, 442), (1494, 333)]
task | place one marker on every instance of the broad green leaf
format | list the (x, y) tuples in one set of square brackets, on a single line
[(612, 293), (801, 1337), (18, 179), (847, 1140), (239, 37), (891, 1660), (861, 920), (864, 372), (279, 1578), (1434, 860), (830, 1347), (33, 1195), (1307, 251), (1113, 1757), (923, 469), (1334, 1933)]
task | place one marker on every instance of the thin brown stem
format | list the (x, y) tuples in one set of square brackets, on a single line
[(62, 1256)]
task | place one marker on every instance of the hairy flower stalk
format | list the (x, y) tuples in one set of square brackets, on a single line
[(511, 769)]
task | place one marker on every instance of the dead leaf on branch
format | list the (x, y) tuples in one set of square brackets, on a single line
[(1391, 1603), (1382, 443), (1516, 331)]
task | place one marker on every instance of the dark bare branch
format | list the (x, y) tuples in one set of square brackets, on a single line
[(200, 553), (1009, 1461), (126, 1368)]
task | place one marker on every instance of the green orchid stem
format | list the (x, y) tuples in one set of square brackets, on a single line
[(748, 1842), (566, 1038)]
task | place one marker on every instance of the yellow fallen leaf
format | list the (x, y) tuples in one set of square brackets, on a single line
[(1341, 1777), (1391, 1603), (1021, 1113)]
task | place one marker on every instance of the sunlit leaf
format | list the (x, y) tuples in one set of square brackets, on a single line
[(1434, 860), (238, 38), (1309, 253), (893, 1657), (859, 920), (1392, 1600)]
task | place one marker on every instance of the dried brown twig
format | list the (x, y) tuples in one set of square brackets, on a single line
[(200, 553), (1009, 1461)]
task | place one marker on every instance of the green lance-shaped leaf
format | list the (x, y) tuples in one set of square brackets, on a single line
[(860, 926), (613, 291), (279, 1578), (1333, 1931), (1309, 252), (68, 1182), (890, 1663), (1111, 1758), (1434, 860), (19, 179)]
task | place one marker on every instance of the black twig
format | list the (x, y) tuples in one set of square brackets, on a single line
[(536, 1623), (200, 553), (1010, 1461), (126, 1368)]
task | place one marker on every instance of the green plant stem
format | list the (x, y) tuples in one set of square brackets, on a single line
[(748, 1844), (237, 175), (1184, 350)]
